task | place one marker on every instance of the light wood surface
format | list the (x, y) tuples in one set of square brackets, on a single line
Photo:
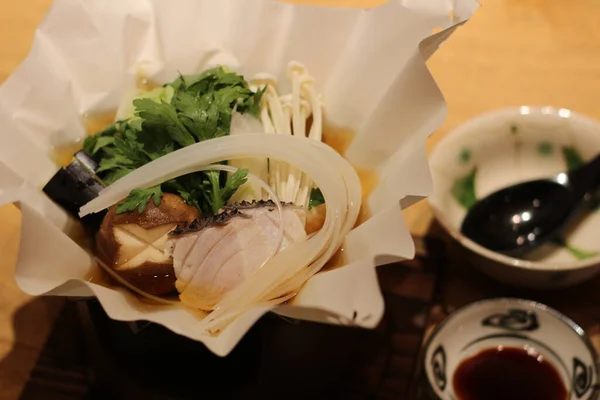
[(511, 52), (24, 323), (517, 52)]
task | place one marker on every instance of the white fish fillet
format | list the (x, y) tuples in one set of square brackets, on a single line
[(215, 259)]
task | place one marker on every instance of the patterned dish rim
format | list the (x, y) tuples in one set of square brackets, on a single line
[(530, 303), (440, 216)]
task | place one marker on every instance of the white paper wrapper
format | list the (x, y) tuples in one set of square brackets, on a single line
[(368, 64)]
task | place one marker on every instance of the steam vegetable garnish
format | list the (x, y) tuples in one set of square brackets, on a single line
[(189, 110), (316, 198), (220, 190)]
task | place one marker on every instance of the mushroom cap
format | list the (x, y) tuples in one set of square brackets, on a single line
[(132, 243)]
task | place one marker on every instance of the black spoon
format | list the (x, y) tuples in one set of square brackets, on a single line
[(519, 218)]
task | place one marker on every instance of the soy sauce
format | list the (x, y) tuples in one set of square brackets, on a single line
[(508, 373)]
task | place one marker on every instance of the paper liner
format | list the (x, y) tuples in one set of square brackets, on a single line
[(368, 64)]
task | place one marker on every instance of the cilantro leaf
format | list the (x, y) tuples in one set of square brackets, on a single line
[(101, 142), (191, 188), (203, 189), (163, 116), (139, 198), (195, 108), (155, 144), (228, 96), (131, 150), (213, 196), (115, 162), (316, 198), (115, 174), (251, 104), (90, 144), (235, 180), (198, 113)]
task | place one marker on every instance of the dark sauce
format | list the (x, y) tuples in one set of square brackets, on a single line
[(508, 373)]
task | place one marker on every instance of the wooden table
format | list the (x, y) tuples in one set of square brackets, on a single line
[(511, 52)]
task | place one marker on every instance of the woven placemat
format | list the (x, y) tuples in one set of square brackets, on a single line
[(88, 356)]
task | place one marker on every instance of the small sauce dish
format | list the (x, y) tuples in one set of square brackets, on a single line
[(507, 348), (502, 148)]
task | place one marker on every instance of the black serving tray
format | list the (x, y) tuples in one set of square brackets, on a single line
[(90, 356)]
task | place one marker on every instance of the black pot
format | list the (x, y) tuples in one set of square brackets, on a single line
[(277, 358)]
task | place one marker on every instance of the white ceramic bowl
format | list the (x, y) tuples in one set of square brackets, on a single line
[(504, 147), (511, 323)]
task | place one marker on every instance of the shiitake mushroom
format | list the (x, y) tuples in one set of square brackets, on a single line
[(132, 243)]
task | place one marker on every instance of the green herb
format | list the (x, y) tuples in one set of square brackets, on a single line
[(545, 149), (575, 252), (159, 95), (572, 158), (162, 116), (204, 190), (116, 174), (101, 142), (464, 156), (237, 179), (581, 254), (139, 198), (90, 142), (316, 198), (464, 190), (213, 196), (191, 109), (118, 161)]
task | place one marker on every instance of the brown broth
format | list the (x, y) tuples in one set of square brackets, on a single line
[(96, 122), (63, 155), (145, 84), (368, 181), (337, 138), (508, 373), (98, 276)]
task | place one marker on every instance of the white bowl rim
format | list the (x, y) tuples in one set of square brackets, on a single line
[(463, 129), (530, 303)]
